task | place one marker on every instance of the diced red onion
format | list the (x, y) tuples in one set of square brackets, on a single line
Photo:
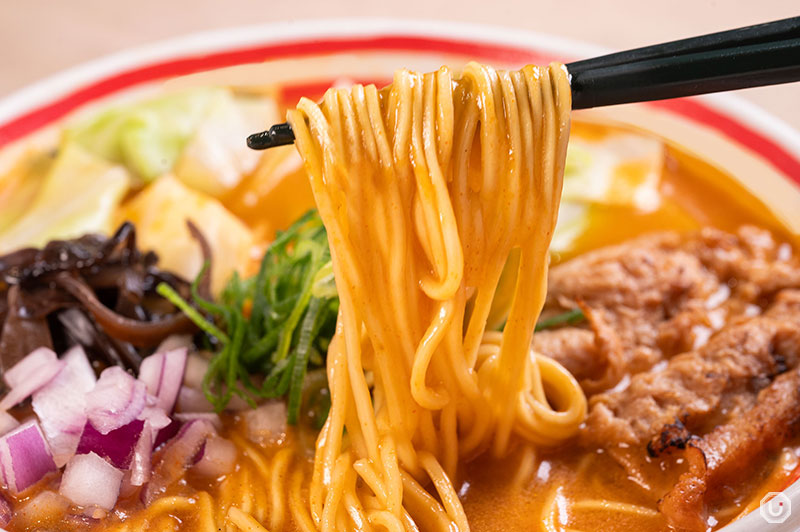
[(60, 405), (167, 433), (175, 341), (178, 455), (30, 374), (199, 454), (238, 404), (126, 488), (267, 422), (185, 417), (7, 422), (154, 416), (25, 456), (219, 457), (29, 365), (163, 375), (6, 513), (81, 368), (142, 455), (150, 372), (192, 400), (196, 369), (116, 400), (90, 481), (117, 446)]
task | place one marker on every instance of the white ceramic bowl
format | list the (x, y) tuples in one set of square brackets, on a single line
[(759, 150)]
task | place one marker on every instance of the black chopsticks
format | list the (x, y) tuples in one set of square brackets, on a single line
[(759, 55), (764, 54)]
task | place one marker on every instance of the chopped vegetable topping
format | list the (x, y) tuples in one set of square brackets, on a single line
[(570, 317), (99, 428), (25, 456), (279, 323), (160, 212), (198, 130), (89, 481), (95, 291), (56, 212), (276, 324)]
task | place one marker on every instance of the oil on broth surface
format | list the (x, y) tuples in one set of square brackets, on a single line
[(694, 194)]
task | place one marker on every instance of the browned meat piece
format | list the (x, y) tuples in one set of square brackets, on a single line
[(680, 333), (594, 356), (733, 450), (633, 287), (574, 348), (696, 387), (648, 272), (786, 305), (751, 258), (662, 295), (672, 436)]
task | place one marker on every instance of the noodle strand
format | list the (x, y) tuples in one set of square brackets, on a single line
[(426, 188)]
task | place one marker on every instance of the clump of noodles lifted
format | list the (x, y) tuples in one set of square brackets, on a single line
[(425, 188)]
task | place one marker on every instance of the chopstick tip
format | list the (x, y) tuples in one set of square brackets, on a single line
[(277, 135)]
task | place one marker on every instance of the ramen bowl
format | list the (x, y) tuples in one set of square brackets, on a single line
[(758, 151)]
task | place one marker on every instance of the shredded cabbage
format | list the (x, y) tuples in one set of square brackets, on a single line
[(197, 133), (215, 160), (18, 187), (621, 169), (160, 212), (78, 195)]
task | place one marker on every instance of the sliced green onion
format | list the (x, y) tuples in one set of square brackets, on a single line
[(571, 317), (301, 362), (169, 293)]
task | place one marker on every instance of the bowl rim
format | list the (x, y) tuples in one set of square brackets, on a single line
[(37, 105), (41, 103)]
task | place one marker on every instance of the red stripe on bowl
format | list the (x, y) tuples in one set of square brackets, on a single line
[(45, 114), (779, 157)]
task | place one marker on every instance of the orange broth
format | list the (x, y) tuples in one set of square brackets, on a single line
[(550, 492)]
